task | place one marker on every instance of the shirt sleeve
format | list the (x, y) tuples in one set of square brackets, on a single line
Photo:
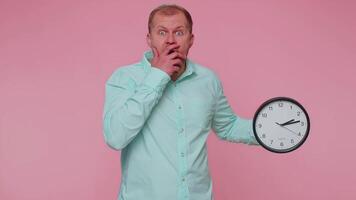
[(227, 125), (127, 105)]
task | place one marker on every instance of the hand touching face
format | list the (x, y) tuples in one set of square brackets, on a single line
[(170, 38)]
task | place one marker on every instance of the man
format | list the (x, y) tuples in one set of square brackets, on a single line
[(159, 112)]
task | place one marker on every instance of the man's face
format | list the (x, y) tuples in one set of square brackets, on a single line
[(168, 30)]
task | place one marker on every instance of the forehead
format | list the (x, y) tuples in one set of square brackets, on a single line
[(169, 21)]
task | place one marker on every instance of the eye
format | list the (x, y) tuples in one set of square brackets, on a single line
[(162, 33), (179, 33)]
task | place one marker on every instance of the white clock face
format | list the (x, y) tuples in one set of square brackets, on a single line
[(281, 125)]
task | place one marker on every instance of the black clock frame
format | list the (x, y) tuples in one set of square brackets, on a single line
[(263, 105)]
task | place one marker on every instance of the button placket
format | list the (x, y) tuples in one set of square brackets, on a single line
[(182, 145)]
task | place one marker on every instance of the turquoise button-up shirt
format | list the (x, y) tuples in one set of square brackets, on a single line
[(161, 127)]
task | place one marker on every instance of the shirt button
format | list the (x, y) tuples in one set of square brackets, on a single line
[(183, 179), (179, 107), (182, 154), (181, 130)]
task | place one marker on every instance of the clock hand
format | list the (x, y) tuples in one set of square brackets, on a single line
[(292, 123), (285, 123), (281, 125), (290, 130)]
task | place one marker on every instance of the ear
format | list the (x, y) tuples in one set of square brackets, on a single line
[(191, 40), (148, 40)]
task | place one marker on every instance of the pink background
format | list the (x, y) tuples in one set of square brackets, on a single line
[(55, 57)]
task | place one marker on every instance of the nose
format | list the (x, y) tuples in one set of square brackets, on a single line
[(171, 39)]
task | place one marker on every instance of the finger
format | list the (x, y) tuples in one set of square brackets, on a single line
[(176, 69), (176, 54), (177, 62), (169, 48), (173, 55), (182, 56)]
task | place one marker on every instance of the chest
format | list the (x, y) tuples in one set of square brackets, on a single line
[(194, 103)]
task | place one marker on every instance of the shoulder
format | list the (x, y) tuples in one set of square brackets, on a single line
[(209, 78), (207, 73)]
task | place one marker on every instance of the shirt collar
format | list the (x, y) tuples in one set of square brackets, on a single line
[(147, 55)]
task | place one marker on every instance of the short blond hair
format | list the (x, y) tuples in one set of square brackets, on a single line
[(170, 9)]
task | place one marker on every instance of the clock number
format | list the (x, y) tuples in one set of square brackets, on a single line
[(281, 144), (298, 113), (263, 135), (259, 125), (302, 123), (299, 134), (280, 104), (264, 114), (291, 107), (270, 108), (271, 141), (292, 141)]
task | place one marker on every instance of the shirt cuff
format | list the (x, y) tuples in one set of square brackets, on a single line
[(156, 79)]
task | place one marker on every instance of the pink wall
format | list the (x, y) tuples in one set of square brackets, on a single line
[(55, 57)]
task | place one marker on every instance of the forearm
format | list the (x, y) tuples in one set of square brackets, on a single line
[(241, 132), (125, 115)]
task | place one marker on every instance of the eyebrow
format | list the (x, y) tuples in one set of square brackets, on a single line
[(159, 26)]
